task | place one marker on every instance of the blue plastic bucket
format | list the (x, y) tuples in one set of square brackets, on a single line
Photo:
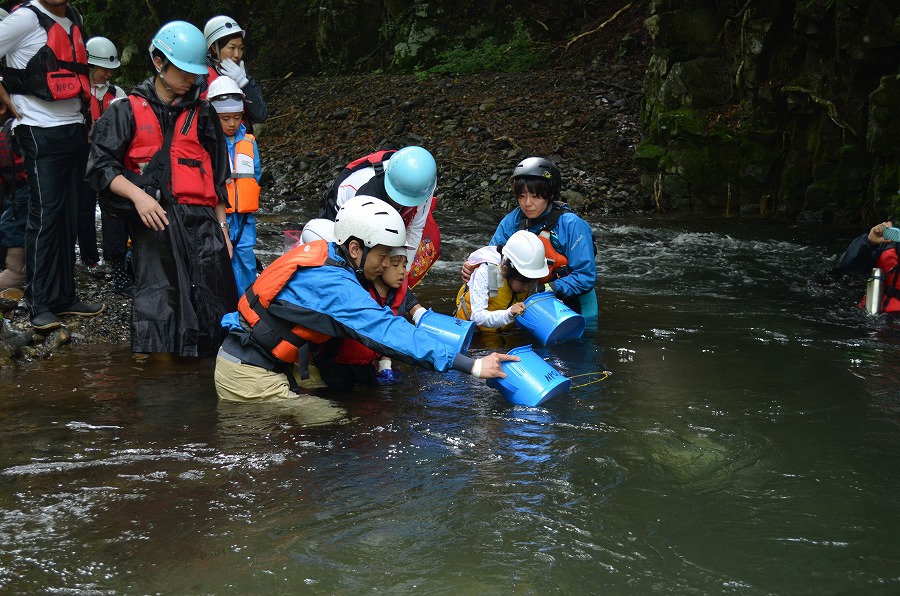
[(530, 381), (549, 320), (454, 332)]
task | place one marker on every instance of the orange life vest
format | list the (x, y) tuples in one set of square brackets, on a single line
[(192, 176), (556, 261), (351, 351), (243, 189), (59, 70), (276, 337), (98, 106)]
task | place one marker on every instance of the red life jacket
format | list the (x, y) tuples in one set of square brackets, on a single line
[(351, 351), (211, 75), (888, 263), (192, 176), (98, 106), (277, 337), (59, 70), (12, 166), (328, 203)]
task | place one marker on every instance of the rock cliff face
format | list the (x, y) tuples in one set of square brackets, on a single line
[(776, 108)]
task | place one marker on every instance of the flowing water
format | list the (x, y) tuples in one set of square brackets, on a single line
[(746, 440)]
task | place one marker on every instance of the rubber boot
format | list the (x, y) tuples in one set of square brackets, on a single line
[(14, 274)]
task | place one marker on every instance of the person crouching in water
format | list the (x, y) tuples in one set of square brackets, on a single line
[(504, 277), (354, 363), (162, 150), (314, 292), (227, 100)]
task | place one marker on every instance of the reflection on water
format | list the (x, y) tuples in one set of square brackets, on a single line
[(745, 440)]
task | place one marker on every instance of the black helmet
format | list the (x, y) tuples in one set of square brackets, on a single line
[(539, 167)]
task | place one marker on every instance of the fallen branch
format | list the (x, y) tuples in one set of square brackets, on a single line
[(602, 25), (284, 115), (152, 11), (279, 83)]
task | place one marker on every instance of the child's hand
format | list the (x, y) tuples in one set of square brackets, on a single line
[(385, 377), (517, 309), (466, 272)]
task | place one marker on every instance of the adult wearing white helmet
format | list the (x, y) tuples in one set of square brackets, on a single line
[(406, 179), (502, 279), (314, 293), (184, 282), (225, 56)]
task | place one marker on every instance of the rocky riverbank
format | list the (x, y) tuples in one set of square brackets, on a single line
[(477, 126)]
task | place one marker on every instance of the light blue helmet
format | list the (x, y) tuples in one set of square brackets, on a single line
[(410, 176), (183, 45)]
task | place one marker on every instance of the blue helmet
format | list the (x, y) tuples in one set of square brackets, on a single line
[(183, 45), (410, 176)]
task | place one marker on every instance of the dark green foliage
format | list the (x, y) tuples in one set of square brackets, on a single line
[(519, 54)]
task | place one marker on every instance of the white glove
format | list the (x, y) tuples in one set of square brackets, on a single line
[(235, 72)]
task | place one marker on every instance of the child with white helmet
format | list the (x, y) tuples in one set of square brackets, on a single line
[(103, 61), (159, 157), (503, 278), (227, 100), (225, 45)]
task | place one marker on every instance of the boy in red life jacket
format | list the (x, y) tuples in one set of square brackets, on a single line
[(876, 249), (46, 88), (393, 290), (162, 151), (227, 100)]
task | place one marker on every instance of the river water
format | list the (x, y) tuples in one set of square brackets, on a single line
[(746, 440)]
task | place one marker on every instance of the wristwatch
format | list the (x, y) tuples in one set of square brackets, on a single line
[(224, 225)]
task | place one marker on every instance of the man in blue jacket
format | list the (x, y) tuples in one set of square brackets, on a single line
[(313, 293)]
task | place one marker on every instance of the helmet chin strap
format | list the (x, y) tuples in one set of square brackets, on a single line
[(162, 77), (357, 269)]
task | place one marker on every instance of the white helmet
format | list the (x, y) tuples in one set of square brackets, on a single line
[(218, 27), (525, 252), (102, 52), (371, 221), (225, 96), (223, 86), (317, 229)]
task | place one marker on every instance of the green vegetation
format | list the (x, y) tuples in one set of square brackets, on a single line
[(519, 54)]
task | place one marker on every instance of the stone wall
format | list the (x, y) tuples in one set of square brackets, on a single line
[(773, 108)]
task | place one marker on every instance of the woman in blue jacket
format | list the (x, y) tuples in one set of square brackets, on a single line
[(536, 184)]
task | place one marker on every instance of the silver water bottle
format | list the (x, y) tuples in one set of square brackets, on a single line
[(874, 291)]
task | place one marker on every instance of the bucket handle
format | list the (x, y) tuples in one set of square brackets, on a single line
[(507, 385)]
